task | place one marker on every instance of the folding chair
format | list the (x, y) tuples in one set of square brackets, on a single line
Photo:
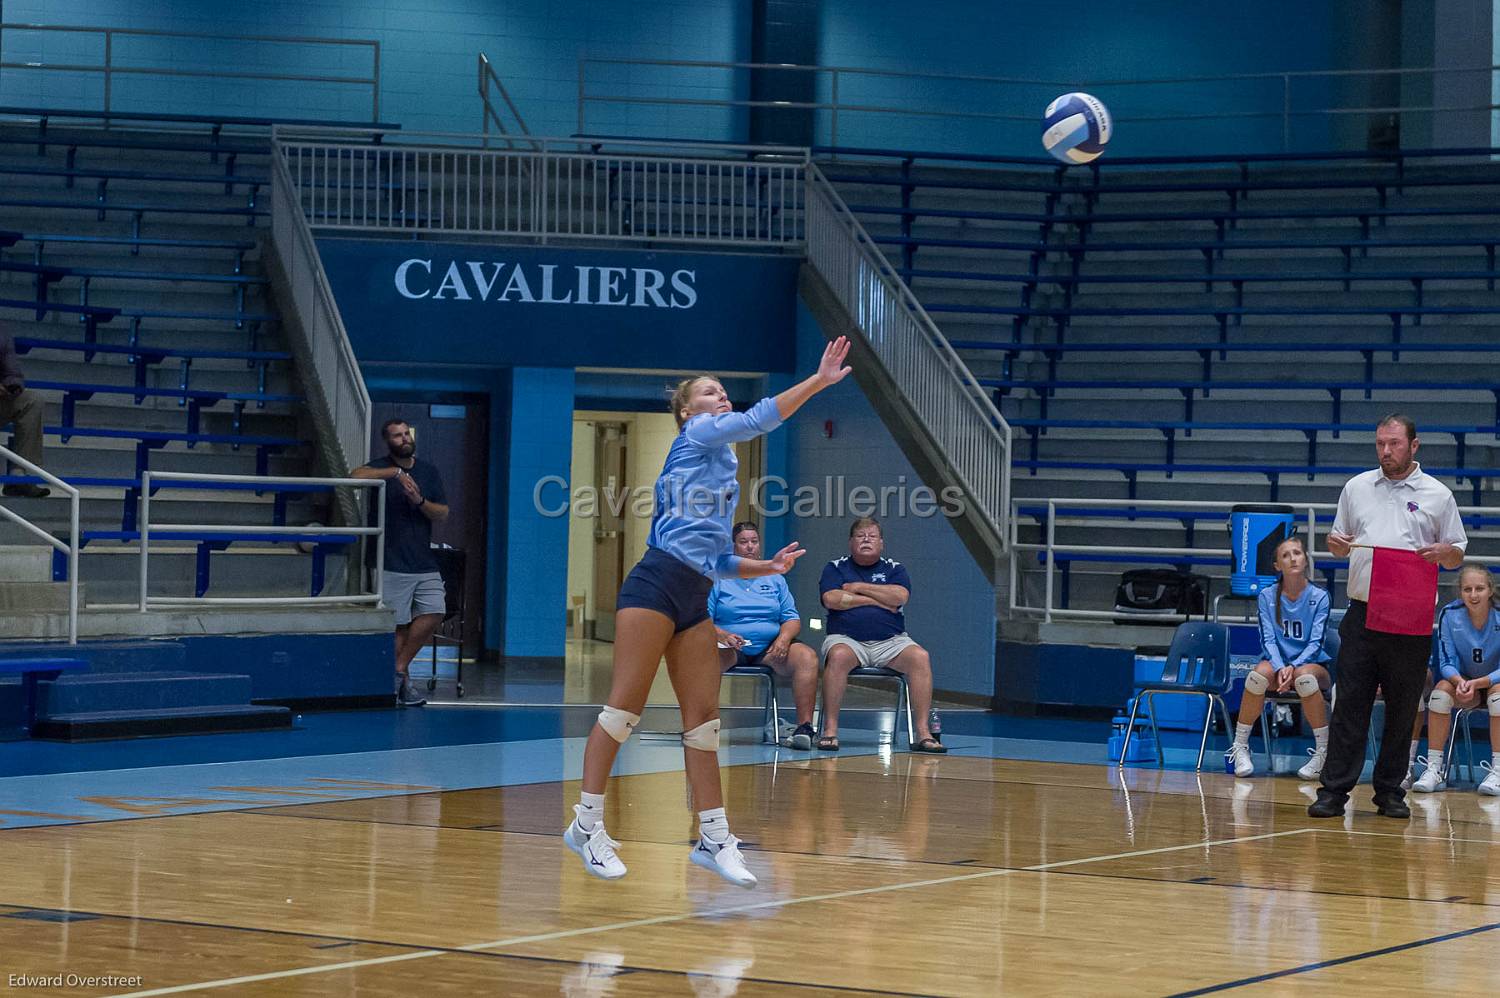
[(1461, 721), (772, 722), (1197, 665), (451, 563), (903, 695)]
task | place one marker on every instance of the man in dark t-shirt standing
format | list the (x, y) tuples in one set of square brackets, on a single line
[(865, 595), (411, 583)]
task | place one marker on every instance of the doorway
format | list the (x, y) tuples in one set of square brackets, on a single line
[(450, 434), (610, 484), (616, 458)]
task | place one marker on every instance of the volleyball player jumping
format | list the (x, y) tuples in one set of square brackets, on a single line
[(663, 609)]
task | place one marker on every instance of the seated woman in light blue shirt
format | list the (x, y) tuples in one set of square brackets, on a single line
[(1293, 620), (756, 623), (1468, 661)]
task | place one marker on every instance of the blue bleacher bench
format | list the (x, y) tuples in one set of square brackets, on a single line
[(32, 672)]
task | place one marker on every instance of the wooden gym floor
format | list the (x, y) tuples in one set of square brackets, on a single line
[(880, 874)]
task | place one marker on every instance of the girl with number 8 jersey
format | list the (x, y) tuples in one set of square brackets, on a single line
[(1468, 662)]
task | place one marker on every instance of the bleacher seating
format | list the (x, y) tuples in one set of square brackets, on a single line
[(144, 314), (1203, 327)]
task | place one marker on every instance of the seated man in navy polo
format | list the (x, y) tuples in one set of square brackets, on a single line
[(865, 595)]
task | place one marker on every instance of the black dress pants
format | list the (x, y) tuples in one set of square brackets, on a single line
[(1397, 664)]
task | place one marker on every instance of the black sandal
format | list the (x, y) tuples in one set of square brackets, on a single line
[(929, 744), (828, 743)]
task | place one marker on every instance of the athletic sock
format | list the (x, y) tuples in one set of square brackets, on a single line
[(1242, 734), (1411, 759), (590, 811), (1320, 738), (1435, 761), (713, 825)]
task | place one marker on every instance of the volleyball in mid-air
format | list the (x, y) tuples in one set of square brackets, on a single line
[(1076, 128)]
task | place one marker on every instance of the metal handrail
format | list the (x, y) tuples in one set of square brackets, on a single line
[(1398, 157), (1049, 612), (109, 69), (488, 76), (439, 141), (563, 188), (834, 105), (941, 391), (70, 548), (339, 385), (188, 479)]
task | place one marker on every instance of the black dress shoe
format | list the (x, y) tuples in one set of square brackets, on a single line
[(1392, 807), (27, 492), (1326, 807)]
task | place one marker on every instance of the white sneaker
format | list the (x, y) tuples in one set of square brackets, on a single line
[(1314, 767), (1239, 756), (596, 849), (1490, 787), (726, 860), (1431, 781)]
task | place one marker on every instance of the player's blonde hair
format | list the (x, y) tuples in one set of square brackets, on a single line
[(683, 392), (1474, 566)]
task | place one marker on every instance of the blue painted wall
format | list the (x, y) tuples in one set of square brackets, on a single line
[(1084, 40), (952, 611), (429, 50), (428, 58), (534, 547)]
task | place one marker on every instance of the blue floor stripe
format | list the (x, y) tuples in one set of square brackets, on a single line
[(1309, 967)]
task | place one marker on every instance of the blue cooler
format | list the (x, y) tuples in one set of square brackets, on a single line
[(1255, 531)]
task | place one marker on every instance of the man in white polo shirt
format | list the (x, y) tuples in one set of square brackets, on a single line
[(1394, 506)]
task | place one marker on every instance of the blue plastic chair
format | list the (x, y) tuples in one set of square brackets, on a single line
[(1197, 665)]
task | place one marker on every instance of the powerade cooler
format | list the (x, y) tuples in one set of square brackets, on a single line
[(1255, 531)]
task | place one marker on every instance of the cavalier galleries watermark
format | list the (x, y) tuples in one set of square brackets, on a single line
[(769, 497)]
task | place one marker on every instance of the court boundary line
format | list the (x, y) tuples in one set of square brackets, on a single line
[(691, 915), (295, 934), (1164, 792), (501, 830), (1339, 961), (278, 810)]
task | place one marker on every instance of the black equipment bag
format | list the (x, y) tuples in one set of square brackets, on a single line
[(1157, 590)]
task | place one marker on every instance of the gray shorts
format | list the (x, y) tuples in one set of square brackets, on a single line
[(413, 595), (876, 654)]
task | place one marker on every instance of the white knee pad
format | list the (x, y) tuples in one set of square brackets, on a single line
[(617, 723), (1257, 683), (1440, 702), (705, 737), (1494, 703), (1306, 686)]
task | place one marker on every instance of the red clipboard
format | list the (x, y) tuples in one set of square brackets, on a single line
[(1403, 592)]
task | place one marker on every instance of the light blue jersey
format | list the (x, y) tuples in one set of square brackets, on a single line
[(1463, 652), (1299, 638), (754, 609), (697, 491)]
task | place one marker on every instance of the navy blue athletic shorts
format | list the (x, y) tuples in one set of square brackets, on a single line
[(662, 583)]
